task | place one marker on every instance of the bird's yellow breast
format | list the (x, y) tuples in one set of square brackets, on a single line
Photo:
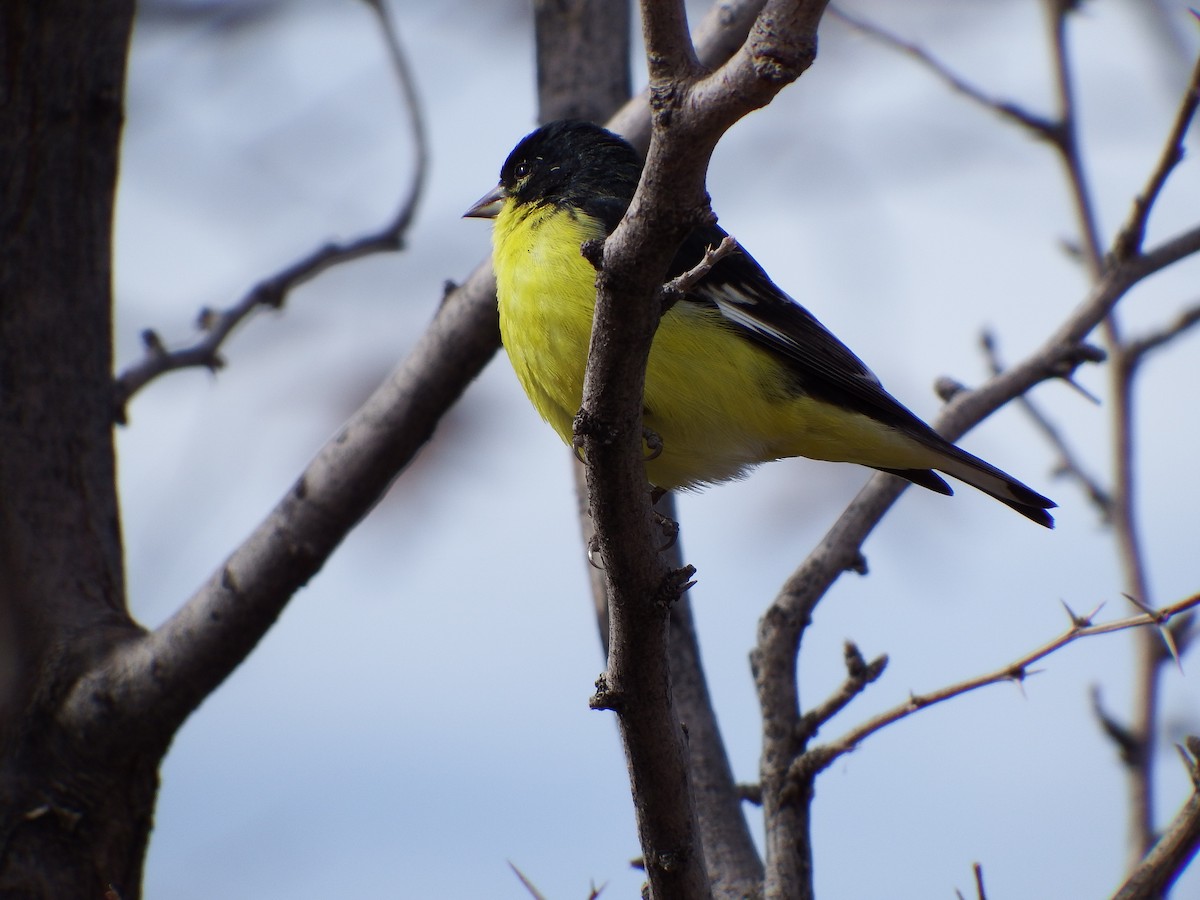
[(546, 292), (718, 402)]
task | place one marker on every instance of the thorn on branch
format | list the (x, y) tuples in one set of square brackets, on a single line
[(525, 882), (1182, 631), (1189, 750), (1129, 746), (1078, 621)]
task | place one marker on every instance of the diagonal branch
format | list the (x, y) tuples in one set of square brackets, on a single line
[(1153, 876), (1069, 462), (1136, 349), (783, 624), (690, 114), (1134, 231), (147, 687), (1039, 126), (273, 291), (819, 758)]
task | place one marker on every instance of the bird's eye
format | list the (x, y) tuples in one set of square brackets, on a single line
[(522, 170)]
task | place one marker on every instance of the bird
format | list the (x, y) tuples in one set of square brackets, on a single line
[(739, 373)]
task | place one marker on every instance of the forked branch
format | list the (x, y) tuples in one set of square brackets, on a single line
[(272, 292)]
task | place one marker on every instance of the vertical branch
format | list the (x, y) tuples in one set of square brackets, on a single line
[(691, 111), (1148, 657), (582, 58), (583, 72)]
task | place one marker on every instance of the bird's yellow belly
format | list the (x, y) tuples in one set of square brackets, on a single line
[(717, 401)]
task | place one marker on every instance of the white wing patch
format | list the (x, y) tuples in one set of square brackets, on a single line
[(737, 305)]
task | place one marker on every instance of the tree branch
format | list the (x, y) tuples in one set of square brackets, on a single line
[(1136, 349), (859, 674), (1134, 230), (1157, 871), (819, 758), (147, 687), (782, 626), (1069, 462), (1038, 126), (272, 292), (689, 117)]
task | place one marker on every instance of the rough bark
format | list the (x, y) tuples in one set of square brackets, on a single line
[(72, 822)]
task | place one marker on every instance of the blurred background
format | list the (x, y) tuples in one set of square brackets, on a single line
[(418, 718)]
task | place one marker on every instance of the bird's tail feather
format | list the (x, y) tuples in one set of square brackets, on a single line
[(987, 478), (983, 476)]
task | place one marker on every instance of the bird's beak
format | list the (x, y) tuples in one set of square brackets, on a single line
[(488, 206)]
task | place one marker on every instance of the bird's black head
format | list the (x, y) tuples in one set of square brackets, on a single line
[(571, 163)]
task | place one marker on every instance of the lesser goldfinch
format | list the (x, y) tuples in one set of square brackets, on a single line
[(739, 373)]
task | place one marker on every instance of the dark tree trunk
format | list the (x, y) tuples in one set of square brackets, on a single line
[(74, 812)]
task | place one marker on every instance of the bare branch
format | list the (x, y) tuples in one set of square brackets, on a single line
[(678, 286), (1069, 462), (1132, 234), (819, 758), (716, 39), (153, 682), (859, 674), (783, 624), (689, 114), (670, 56), (1039, 126), (1157, 871), (1067, 144), (273, 291), (1136, 349)]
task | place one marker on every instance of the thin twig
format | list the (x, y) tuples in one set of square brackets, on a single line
[(675, 289), (1069, 462), (1136, 349), (859, 674), (820, 757), (1067, 143), (1039, 126), (273, 291), (1133, 233)]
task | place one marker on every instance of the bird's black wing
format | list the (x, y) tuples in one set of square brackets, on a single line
[(821, 366)]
